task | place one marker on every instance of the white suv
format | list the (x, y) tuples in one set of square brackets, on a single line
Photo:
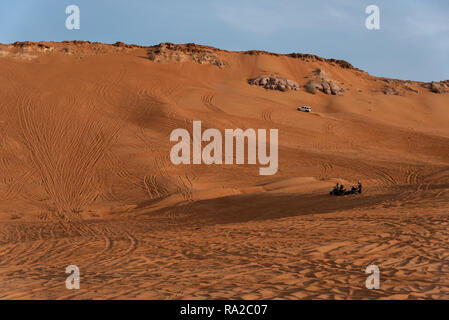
[(305, 109)]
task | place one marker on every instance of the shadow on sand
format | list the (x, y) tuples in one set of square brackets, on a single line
[(258, 207)]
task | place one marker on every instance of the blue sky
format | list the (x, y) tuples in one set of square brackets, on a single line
[(412, 43)]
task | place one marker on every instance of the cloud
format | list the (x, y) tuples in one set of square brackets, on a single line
[(426, 26), (270, 17), (252, 17)]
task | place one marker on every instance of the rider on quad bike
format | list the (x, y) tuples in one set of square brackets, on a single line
[(339, 189)]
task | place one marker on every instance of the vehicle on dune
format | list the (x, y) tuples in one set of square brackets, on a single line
[(340, 190), (305, 109)]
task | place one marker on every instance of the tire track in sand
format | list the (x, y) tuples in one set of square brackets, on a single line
[(207, 101)]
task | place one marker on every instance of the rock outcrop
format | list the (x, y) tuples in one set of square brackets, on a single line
[(28, 45), (272, 82), (437, 87), (307, 58), (169, 52), (75, 48), (389, 90), (322, 82), (397, 87)]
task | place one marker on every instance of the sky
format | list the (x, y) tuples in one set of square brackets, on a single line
[(411, 44)]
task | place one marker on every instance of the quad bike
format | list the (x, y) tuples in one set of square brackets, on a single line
[(337, 191), (343, 191)]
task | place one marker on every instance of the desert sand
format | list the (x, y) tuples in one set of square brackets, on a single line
[(86, 178)]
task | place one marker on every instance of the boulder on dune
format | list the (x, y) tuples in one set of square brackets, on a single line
[(272, 82), (389, 90), (322, 82), (437, 87), (325, 86)]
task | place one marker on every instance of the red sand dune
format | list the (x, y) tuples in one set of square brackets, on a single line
[(86, 178)]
